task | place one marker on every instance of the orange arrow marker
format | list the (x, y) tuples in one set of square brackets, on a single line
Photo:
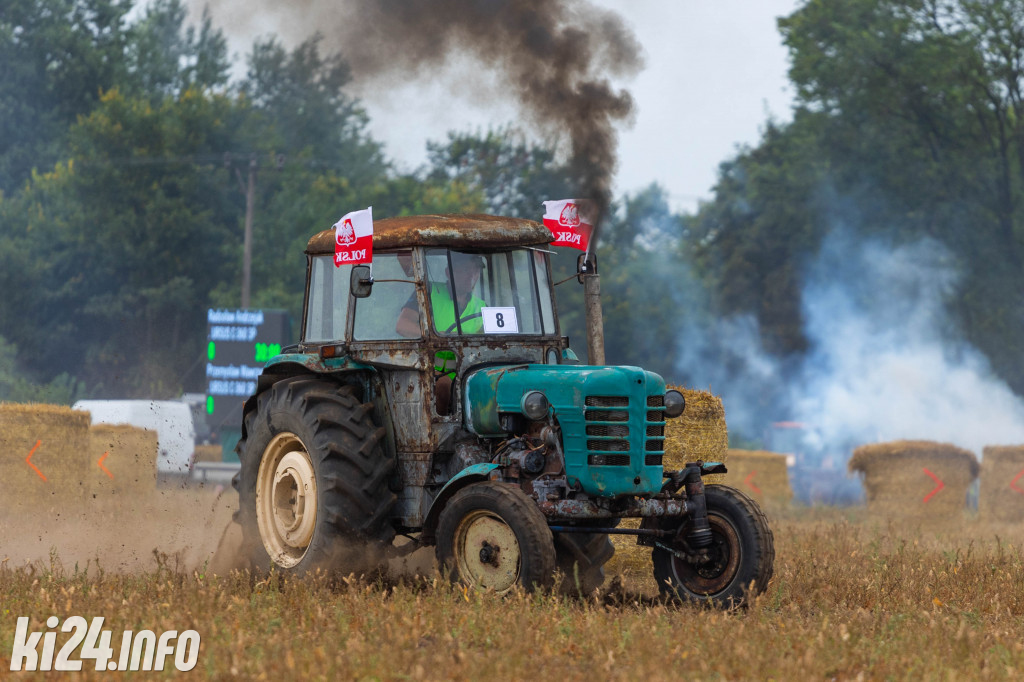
[(29, 458), (100, 465), (939, 487), (1013, 483), (750, 483)]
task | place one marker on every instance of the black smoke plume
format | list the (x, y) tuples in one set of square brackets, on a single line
[(554, 58)]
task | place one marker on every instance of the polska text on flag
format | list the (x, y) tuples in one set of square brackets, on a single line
[(568, 225), (353, 238)]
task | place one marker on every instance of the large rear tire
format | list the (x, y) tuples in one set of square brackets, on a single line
[(740, 560), (313, 487), (491, 536)]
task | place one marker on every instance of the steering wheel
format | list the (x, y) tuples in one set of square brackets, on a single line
[(467, 318)]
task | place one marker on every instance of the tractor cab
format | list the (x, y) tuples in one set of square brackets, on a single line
[(445, 293)]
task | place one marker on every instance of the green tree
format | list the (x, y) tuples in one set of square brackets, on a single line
[(57, 56), (515, 176), (164, 56), (923, 128)]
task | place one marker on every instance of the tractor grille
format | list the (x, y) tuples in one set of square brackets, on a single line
[(608, 445), (606, 401), (613, 430), (605, 417), (608, 460), (610, 437), (655, 445)]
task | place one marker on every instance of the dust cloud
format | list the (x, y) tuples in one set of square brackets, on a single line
[(178, 528)]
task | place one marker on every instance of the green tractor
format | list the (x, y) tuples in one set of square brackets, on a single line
[(438, 401)]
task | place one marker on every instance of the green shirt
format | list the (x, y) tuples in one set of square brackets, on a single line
[(444, 312)]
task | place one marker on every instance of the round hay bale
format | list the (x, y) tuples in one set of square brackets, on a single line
[(128, 453), (1001, 495), (915, 478), (57, 438), (760, 474), (699, 434)]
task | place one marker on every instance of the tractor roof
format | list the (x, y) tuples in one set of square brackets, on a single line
[(469, 231)]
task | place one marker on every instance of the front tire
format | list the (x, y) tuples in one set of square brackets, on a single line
[(491, 536), (741, 557), (313, 487)]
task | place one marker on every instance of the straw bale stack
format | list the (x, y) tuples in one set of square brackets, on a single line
[(898, 477), (1000, 497), (130, 459), (208, 453), (699, 434), (61, 456), (760, 474)]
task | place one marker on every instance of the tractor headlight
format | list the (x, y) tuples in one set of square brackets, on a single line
[(535, 405), (675, 403)]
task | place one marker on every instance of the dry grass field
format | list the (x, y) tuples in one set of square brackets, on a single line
[(853, 597)]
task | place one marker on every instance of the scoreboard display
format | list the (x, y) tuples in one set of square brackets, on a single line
[(238, 344)]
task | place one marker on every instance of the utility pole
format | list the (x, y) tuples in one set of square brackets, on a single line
[(594, 319), (249, 189)]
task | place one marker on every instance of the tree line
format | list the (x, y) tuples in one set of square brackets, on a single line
[(122, 140)]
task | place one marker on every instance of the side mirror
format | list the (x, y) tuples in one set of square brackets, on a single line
[(360, 282)]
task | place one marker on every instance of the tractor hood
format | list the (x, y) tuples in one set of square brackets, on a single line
[(612, 419)]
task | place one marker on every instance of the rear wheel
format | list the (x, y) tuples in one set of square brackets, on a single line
[(313, 488), (741, 556), (491, 536)]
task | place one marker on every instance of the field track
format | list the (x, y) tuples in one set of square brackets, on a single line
[(854, 597)]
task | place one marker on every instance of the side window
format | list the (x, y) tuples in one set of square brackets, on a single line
[(540, 267), (327, 308), (377, 316)]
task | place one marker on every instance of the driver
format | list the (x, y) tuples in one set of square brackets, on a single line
[(467, 273)]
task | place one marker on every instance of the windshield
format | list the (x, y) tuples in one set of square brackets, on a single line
[(494, 293), (497, 293)]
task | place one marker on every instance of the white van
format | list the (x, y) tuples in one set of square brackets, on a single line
[(171, 419)]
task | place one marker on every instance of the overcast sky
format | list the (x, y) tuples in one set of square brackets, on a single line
[(715, 70)]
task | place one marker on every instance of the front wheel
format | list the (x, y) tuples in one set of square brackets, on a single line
[(491, 536), (738, 564)]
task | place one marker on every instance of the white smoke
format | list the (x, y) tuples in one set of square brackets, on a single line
[(885, 362)]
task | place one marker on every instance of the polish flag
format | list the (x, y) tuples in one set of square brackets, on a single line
[(567, 224), (353, 238)]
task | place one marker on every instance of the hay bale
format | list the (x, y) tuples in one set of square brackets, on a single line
[(760, 474), (130, 458), (1000, 497), (58, 438), (699, 434), (898, 477), (208, 453)]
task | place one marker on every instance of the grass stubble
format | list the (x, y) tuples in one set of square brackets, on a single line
[(853, 597)]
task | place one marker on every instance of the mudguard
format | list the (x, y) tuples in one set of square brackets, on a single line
[(471, 474)]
